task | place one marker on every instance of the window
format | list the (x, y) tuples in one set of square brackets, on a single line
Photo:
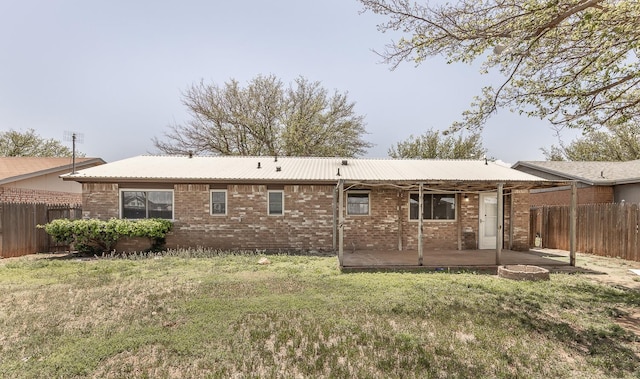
[(358, 203), (147, 204), (276, 203), (437, 206), (218, 202)]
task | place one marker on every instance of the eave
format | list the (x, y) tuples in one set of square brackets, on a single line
[(445, 185)]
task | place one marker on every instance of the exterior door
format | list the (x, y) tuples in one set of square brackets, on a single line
[(488, 229)]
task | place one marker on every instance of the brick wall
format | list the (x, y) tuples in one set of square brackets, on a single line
[(23, 195), (520, 231), (379, 229), (385, 228), (100, 200), (307, 222), (469, 211), (586, 195), (436, 234)]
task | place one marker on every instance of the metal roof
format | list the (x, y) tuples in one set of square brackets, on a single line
[(19, 168), (594, 173), (164, 168)]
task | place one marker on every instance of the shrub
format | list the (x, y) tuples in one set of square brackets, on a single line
[(96, 236)]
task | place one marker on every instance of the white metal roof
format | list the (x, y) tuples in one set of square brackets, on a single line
[(162, 168)]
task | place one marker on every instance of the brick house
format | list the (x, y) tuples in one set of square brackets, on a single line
[(316, 203), (597, 182), (37, 179)]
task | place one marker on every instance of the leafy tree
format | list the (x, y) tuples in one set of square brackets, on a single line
[(436, 145), (265, 118), (30, 144), (619, 143), (574, 62)]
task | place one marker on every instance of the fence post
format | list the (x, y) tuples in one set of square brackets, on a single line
[(572, 224)]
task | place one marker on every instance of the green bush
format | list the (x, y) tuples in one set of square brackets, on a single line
[(96, 236)]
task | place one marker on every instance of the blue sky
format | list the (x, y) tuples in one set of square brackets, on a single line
[(113, 70)]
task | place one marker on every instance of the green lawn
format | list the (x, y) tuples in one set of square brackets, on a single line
[(219, 315)]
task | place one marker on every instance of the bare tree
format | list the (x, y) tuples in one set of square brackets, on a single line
[(265, 118), (573, 62)]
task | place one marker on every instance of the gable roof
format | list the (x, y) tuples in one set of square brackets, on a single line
[(19, 168), (148, 168), (593, 173)]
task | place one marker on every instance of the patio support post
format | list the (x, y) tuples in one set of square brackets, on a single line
[(334, 210), (399, 220), (499, 235), (420, 220), (572, 223), (340, 220), (458, 218)]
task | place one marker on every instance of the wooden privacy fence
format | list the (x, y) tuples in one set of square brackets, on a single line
[(18, 233), (609, 230)]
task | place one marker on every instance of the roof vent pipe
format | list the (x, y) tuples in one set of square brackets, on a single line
[(338, 174), (259, 165), (275, 159), (190, 154)]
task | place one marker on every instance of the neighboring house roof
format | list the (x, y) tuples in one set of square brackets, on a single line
[(13, 169), (147, 168), (592, 173)]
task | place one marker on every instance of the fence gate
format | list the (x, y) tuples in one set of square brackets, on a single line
[(55, 212), (18, 232)]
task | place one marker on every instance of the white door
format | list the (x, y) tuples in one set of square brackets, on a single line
[(488, 229)]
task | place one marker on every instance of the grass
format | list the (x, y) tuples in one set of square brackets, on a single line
[(210, 314)]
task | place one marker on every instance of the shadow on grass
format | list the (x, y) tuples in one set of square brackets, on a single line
[(605, 345)]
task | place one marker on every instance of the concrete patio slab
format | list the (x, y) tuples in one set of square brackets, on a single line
[(449, 259)]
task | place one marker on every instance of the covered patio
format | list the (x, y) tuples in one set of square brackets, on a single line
[(482, 179)]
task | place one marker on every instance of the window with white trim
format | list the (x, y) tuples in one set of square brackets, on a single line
[(358, 203), (437, 206), (139, 204), (218, 202), (275, 203)]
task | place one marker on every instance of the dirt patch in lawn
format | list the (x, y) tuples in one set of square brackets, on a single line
[(615, 272)]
